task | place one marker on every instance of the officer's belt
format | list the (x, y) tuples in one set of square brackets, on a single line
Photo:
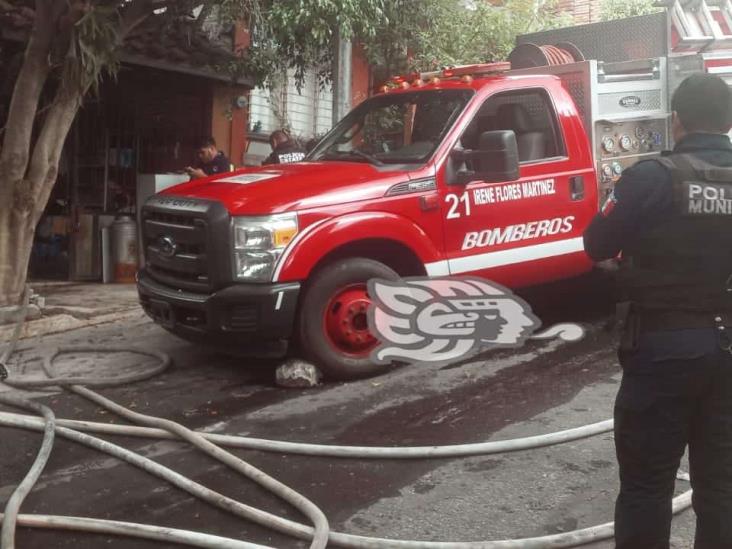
[(659, 320)]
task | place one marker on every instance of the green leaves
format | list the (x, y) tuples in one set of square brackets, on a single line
[(618, 9), (398, 35), (94, 48), (302, 32), (428, 34)]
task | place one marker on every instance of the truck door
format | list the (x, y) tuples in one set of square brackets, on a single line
[(529, 230)]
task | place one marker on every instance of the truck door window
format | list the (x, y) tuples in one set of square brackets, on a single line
[(529, 113), (402, 128)]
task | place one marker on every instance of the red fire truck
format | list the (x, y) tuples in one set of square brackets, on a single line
[(491, 170)]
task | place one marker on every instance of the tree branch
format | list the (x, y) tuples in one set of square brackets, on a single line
[(26, 94), (77, 10), (47, 153), (134, 15), (38, 113), (43, 166), (205, 13)]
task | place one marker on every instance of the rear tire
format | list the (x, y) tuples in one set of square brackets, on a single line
[(332, 328)]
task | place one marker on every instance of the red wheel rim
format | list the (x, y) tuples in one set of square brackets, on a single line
[(345, 321)]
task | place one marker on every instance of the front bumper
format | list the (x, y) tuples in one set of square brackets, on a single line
[(235, 314)]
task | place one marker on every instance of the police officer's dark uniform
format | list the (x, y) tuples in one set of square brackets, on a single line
[(286, 153), (219, 164), (672, 220)]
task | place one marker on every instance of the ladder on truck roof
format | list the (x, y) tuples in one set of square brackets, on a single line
[(698, 25)]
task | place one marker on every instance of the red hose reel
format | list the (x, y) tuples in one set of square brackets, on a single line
[(529, 55)]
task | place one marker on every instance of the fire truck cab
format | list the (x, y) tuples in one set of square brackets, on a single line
[(491, 170)]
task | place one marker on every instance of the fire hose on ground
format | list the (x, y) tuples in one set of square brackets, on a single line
[(318, 534)]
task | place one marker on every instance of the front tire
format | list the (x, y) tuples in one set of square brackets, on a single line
[(333, 329)]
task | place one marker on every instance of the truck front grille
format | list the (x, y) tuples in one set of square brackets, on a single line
[(172, 219), (178, 237)]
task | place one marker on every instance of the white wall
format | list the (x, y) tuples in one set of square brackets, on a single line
[(306, 113)]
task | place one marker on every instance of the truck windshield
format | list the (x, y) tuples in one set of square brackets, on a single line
[(403, 128)]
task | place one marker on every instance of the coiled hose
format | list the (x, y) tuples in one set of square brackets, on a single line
[(164, 429), (73, 384)]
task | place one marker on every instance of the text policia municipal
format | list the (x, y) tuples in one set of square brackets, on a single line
[(704, 198)]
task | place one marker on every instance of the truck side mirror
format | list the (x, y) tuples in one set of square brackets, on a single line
[(495, 159)]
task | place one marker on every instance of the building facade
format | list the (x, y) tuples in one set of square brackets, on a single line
[(582, 11), (134, 136), (305, 111)]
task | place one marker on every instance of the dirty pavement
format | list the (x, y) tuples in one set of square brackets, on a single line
[(541, 388)]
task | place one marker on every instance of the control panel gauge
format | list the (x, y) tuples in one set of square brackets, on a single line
[(608, 144), (641, 133), (617, 168), (626, 143), (607, 171)]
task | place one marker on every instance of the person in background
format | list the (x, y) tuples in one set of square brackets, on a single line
[(284, 149), (211, 161)]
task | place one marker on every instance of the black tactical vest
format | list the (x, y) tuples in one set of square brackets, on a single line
[(684, 264)]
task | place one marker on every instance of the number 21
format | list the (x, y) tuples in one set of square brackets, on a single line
[(454, 201)]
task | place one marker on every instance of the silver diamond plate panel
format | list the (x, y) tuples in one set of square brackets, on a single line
[(577, 88), (610, 103), (632, 38)]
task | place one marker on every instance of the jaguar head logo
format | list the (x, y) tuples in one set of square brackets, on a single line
[(443, 319)]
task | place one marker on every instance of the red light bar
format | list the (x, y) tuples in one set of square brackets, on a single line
[(466, 73), (399, 78), (482, 68)]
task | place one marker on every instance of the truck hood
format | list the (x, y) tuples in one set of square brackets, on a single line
[(291, 187)]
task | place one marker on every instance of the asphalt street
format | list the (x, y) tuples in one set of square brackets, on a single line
[(540, 388)]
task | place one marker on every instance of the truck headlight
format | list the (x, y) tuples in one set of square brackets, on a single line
[(259, 243)]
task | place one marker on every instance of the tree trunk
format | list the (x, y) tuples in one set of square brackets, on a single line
[(18, 219), (26, 179), (14, 216), (17, 235), (28, 170)]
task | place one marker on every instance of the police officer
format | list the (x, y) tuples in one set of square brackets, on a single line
[(284, 149), (211, 161), (671, 221)]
